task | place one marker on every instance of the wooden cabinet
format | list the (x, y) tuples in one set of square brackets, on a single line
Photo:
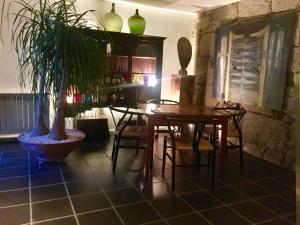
[(136, 68)]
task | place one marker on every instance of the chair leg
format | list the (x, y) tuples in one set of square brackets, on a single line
[(209, 159), (198, 156), (241, 152), (156, 133), (164, 157), (213, 162), (116, 155), (114, 148), (137, 146), (173, 168)]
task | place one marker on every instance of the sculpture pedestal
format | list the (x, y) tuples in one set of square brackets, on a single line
[(182, 88)]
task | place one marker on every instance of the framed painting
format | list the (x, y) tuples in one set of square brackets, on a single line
[(251, 61)]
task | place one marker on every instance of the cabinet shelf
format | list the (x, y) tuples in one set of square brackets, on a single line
[(134, 56)]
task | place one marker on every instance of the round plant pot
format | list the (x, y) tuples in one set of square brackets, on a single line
[(50, 150)]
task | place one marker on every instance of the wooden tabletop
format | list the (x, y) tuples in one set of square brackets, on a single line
[(182, 110)]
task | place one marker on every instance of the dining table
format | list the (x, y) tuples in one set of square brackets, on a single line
[(156, 116)]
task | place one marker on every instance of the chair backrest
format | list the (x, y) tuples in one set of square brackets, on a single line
[(126, 116), (198, 126), (163, 101), (237, 116), (235, 109), (223, 105)]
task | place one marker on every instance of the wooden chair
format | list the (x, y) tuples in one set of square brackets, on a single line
[(234, 131), (159, 129), (175, 143), (130, 126)]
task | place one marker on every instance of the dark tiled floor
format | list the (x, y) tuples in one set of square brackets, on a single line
[(82, 190)]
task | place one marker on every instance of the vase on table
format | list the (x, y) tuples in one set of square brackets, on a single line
[(136, 24), (112, 21)]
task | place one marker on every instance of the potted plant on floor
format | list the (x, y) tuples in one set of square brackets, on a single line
[(55, 51)]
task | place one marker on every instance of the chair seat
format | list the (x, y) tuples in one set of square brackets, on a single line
[(185, 144), (232, 133), (134, 131)]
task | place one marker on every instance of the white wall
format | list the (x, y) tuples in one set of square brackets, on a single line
[(159, 23), (9, 82)]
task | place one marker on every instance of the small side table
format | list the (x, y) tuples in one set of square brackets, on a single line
[(95, 128)]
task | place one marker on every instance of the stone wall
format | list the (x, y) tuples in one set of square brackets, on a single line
[(268, 134)]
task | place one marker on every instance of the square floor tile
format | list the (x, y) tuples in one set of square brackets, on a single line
[(63, 221), (15, 154), (17, 197), (124, 196), (83, 187), (292, 218), (44, 168), (276, 222), (114, 182), (224, 215), (277, 204), (184, 186), (156, 190), (228, 195), (137, 213), (157, 223), (102, 171), (15, 215), (77, 175), (205, 181), (172, 206), (104, 217), (289, 196), (273, 170), (51, 209), (289, 179), (18, 162), (252, 190), (274, 185), (14, 172), (201, 200), (94, 162), (13, 183), (45, 179), (190, 219), (74, 165), (253, 211), (48, 192), (90, 202)]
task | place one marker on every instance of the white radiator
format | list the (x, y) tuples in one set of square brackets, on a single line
[(17, 112)]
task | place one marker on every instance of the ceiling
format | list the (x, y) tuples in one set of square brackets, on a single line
[(188, 6)]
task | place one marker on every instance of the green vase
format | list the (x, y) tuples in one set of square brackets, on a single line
[(137, 24), (112, 21)]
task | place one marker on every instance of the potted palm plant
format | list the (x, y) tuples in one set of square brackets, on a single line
[(56, 51)]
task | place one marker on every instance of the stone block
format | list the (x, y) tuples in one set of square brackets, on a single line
[(226, 14), (295, 60), (297, 34), (290, 159), (201, 66), (266, 137), (283, 5), (204, 45), (250, 8)]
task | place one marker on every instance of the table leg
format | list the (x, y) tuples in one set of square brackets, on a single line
[(223, 147), (149, 152)]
